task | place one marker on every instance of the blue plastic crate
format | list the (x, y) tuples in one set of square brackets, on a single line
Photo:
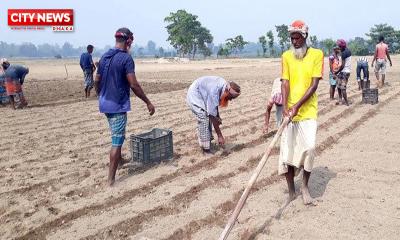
[(152, 147)]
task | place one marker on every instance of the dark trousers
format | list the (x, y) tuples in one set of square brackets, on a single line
[(364, 68)]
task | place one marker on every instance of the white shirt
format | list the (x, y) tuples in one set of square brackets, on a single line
[(205, 93), (276, 86)]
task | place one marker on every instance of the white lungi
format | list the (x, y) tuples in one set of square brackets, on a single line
[(298, 146)]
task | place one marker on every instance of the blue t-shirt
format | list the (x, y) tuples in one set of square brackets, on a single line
[(86, 61), (114, 95), (17, 72)]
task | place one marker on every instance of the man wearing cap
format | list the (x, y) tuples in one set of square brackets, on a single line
[(114, 79), (343, 73), (205, 96), (14, 79), (302, 68), (88, 68)]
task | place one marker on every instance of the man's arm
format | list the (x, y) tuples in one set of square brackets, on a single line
[(388, 56), (137, 89), (310, 91), (285, 88), (330, 65), (375, 54), (216, 122), (341, 65), (92, 63), (97, 83), (81, 63)]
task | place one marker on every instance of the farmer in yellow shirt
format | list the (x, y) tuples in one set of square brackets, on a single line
[(302, 68)]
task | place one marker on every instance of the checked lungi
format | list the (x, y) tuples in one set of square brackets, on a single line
[(88, 75), (204, 130)]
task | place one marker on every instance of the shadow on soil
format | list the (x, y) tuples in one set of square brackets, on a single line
[(319, 180)]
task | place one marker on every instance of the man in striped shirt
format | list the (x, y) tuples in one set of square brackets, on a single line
[(362, 65)]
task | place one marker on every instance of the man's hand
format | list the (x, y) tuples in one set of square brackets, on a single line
[(219, 121), (335, 76), (151, 108), (286, 112), (372, 64), (293, 111), (221, 140), (390, 63), (265, 129)]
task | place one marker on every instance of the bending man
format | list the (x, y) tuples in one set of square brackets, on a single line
[(204, 97)]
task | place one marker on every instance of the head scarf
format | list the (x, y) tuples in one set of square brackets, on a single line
[(299, 26), (229, 91), (4, 62), (232, 91), (341, 43)]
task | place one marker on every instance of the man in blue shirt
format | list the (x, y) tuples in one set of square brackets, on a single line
[(14, 79), (114, 79), (88, 69)]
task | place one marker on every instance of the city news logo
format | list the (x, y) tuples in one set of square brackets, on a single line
[(60, 20)]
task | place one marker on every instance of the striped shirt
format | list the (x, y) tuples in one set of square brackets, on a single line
[(362, 60)]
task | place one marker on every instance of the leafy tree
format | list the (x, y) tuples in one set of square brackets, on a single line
[(28, 49), (206, 52), (202, 36), (359, 46), (314, 41), (151, 47), (186, 34), (46, 50), (161, 52), (140, 51), (327, 45), (236, 44), (67, 49), (283, 35), (223, 51), (392, 37), (270, 36), (263, 41)]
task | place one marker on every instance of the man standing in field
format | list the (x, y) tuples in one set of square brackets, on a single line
[(88, 69), (115, 77), (343, 74), (335, 61), (302, 68), (381, 52), (204, 97)]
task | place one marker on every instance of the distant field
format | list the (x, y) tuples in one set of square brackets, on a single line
[(54, 161)]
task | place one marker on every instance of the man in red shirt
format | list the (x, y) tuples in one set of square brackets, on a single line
[(381, 52)]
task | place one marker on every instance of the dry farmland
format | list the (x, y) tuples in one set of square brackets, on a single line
[(54, 162)]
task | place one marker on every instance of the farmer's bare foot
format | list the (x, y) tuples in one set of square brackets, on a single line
[(292, 196), (307, 199), (206, 152), (111, 182)]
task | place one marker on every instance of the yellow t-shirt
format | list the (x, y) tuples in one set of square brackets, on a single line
[(299, 73)]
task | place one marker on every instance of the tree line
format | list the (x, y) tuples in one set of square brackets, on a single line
[(187, 35), (189, 38)]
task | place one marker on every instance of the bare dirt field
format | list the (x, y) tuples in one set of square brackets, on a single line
[(54, 162)]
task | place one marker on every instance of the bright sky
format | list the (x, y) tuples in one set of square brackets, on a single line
[(96, 21)]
